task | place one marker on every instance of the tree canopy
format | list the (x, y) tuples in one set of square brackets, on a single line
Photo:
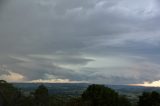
[(100, 95), (94, 95), (8, 92), (41, 96), (149, 99)]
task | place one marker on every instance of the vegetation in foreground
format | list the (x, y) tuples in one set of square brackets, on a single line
[(94, 95)]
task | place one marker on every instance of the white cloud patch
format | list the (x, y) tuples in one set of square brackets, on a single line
[(148, 84), (12, 77), (56, 81)]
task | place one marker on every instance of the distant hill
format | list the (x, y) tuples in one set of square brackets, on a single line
[(78, 88)]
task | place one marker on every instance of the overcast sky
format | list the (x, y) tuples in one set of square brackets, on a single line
[(96, 41)]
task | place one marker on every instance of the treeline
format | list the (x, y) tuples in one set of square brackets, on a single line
[(94, 95)]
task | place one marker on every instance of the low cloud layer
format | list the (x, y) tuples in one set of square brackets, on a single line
[(96, 41)]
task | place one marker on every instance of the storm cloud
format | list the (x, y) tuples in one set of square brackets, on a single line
[(96, 41)]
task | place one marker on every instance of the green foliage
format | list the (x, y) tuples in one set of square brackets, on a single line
[(9, 93), (77, 102), (41, 96), (149, 99), (94, 95), (123, 101), (56, 100), (99, 95), (11, 96)]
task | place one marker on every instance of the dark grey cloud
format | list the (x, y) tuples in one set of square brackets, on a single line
[(80, 40)]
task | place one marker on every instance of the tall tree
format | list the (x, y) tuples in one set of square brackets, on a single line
[(41, 96), (10, 95), (149, 99), (100, 95)]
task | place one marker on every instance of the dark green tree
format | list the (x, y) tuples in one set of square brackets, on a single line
[(7, 92), (10, 95), (2, 100), (99, 95), (123, 101), (149, 99), (41, 96)]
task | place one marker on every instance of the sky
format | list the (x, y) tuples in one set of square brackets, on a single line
[(76, 41)]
